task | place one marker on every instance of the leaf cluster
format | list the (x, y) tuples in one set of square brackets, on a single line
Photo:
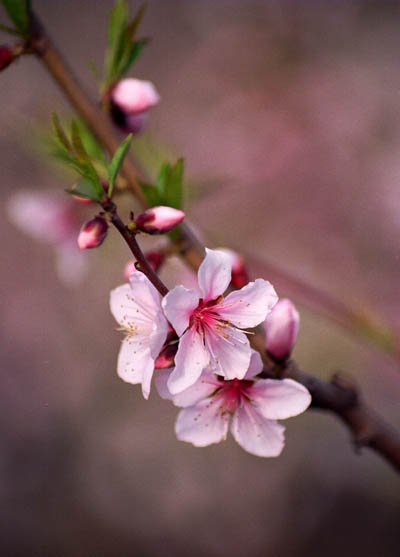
[(79, 150), (168, 189), (19, 13), (123, 48)]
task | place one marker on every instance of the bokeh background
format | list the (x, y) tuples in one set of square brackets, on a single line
[(288, 115)]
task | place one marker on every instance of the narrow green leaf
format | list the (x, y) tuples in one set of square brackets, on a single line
[(132, 55), (90, 143), (162, 178), (173, 188), (18, 12), (134, 24), (86, 189), (9, 30), (152, 195), (62, 138), (116, 39), (117, 161)]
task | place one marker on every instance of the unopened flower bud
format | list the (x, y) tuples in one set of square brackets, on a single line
[(92, 233), (166, 357), (130, 101), (281, 327), (159, 220), (6, 56), (239, 276)]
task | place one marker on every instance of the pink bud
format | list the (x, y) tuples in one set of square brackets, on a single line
[(166, 357), (154, 258), (158, 220), (92, 233), (281, 327), (130, 101), (6, 56)]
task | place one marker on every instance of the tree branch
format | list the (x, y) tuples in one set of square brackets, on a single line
[(342, 397)]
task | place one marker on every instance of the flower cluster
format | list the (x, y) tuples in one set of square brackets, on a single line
[(198, 340)]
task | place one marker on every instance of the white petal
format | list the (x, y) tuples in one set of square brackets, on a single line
[(190, 360), (131, 312), (178, 306), (135, 364), (230, 352), (250, 305), (158, 335), (214, 274), (144, 292), (203, 424), (279, 399), (255, 434), (256, 365), (205, 386), (161, 380)]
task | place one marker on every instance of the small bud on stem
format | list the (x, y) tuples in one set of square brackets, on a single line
[(93, 233), (159, 220), (281, 327)]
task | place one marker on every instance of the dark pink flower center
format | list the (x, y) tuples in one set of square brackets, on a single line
[(234, 392)]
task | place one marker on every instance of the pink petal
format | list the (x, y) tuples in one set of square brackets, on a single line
[(230, 352), (203, 424), (214, 274), (190, 360), (255, 434), (135, 364), (281, 326), (178, 306), (256, 365), (250, 305), (205, 385), (144, 293), (158, 335), (280, 399)]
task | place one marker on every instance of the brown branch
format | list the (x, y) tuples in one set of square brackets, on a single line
[(130, 239), (342, 397)]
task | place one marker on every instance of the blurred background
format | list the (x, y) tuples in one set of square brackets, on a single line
[(288, 116)]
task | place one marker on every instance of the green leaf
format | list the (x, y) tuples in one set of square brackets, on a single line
[(18, 11), (85, 189), (134, 24), (116, 38), (152, 194), (173, 187), (62, 138), (134, 52), (90, 143), (117, 161)]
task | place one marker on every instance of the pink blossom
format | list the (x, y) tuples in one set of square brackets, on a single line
[(209, 325), (239, 272), (52, 219), (92, 233), (137, 309), (134, 95), (281, 327), (250, 406), (159, 220), (6, 56)]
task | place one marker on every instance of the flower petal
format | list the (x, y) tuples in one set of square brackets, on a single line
[(206, 384), (131, 311), (280, 399), (214, 274), (203, 424), (255, 434), (135, 364), (143, 292), (190, 360), (256, 365), (250, 305), (230, 352), (178, 306), (158, 335)]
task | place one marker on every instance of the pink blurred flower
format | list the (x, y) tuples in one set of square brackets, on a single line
[(52, 219), (137, 309), (252, 407), (155, 259), (281, 327), (6, 56), (159, 220), (209, 325), (130, 101), (92, 233)]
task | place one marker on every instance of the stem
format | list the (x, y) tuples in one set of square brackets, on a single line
[(130, 239)]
